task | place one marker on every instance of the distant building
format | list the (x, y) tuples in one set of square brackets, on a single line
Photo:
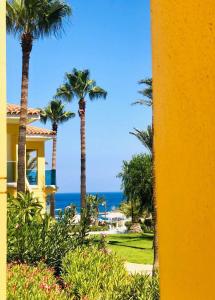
[(40, 181)]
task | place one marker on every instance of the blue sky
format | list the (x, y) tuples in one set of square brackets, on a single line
[(112, 39)]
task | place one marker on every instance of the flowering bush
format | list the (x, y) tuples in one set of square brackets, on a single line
[(87, 274), (31, 283)]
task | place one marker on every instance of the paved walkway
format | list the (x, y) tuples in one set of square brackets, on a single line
[(138, 268)]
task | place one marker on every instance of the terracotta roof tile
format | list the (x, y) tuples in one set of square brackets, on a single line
[(33, 130), (15, 109)]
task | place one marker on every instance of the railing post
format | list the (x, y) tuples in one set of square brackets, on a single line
[(3, 156), (183, 38)]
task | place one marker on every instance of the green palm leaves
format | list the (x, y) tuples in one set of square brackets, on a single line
[(145, 137), (146, 92), (78, 84), (55, 113), (25, 206), (38, 17)]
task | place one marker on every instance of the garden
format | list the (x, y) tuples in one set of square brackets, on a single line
[(49, 259)]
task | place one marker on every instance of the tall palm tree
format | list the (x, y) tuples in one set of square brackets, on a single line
[(30, 20), (79, 85), (147, 93), (56, 114)]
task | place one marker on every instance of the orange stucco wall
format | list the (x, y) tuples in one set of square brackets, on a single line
[(183, 35)]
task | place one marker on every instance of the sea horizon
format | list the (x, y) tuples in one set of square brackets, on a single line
[(64, 199)]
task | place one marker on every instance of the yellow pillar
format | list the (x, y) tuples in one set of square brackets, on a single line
[(183, 38), (3, 153)]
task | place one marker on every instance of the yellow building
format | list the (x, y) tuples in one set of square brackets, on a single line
[(40, 181)]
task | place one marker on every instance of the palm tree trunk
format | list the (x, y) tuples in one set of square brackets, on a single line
[(54, 152), (26, 43), (154, 207), (135, 224), (83, 152)]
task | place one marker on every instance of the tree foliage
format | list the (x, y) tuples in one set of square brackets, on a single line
[(136, 177), (78, 84), (36, 17), (55, 113), (146, 92)]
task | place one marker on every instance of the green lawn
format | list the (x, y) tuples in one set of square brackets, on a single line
[(135, 248)]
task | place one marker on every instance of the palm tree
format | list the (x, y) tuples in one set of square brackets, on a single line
[(145, 137), (56, 114), (30, 20), (147, 92), (79, 85)]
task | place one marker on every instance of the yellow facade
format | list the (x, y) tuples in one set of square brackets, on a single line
[(3, 156), (36, 143), (183, 35)]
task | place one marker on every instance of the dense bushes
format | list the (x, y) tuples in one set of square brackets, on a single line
[(31, 283), (102, 277), (88, 270), (141, 287), (34, 236), (92, 274)]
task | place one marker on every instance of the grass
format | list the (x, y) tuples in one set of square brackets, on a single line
[(134, 248)]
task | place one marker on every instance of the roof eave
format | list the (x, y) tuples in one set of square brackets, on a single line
[(16, 117), (41, 137)]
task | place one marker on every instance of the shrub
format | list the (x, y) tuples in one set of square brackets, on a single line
[(30, 283), (93, 274), (33, 236), (59, 238), (128, 224), (147, 229), (148, 225), (141, 287), (99, 228), (25, 226)]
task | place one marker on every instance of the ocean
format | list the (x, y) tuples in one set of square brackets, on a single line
[(113, 200)]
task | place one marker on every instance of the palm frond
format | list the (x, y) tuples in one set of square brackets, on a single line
[(55, 113), (142, 102), (78, 84), (145, 137), (146, 92), (65, 92), (38, 17), (97, 92)]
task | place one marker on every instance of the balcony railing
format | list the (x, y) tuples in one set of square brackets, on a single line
[(32, 176), (11, 171), (50, 177)]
